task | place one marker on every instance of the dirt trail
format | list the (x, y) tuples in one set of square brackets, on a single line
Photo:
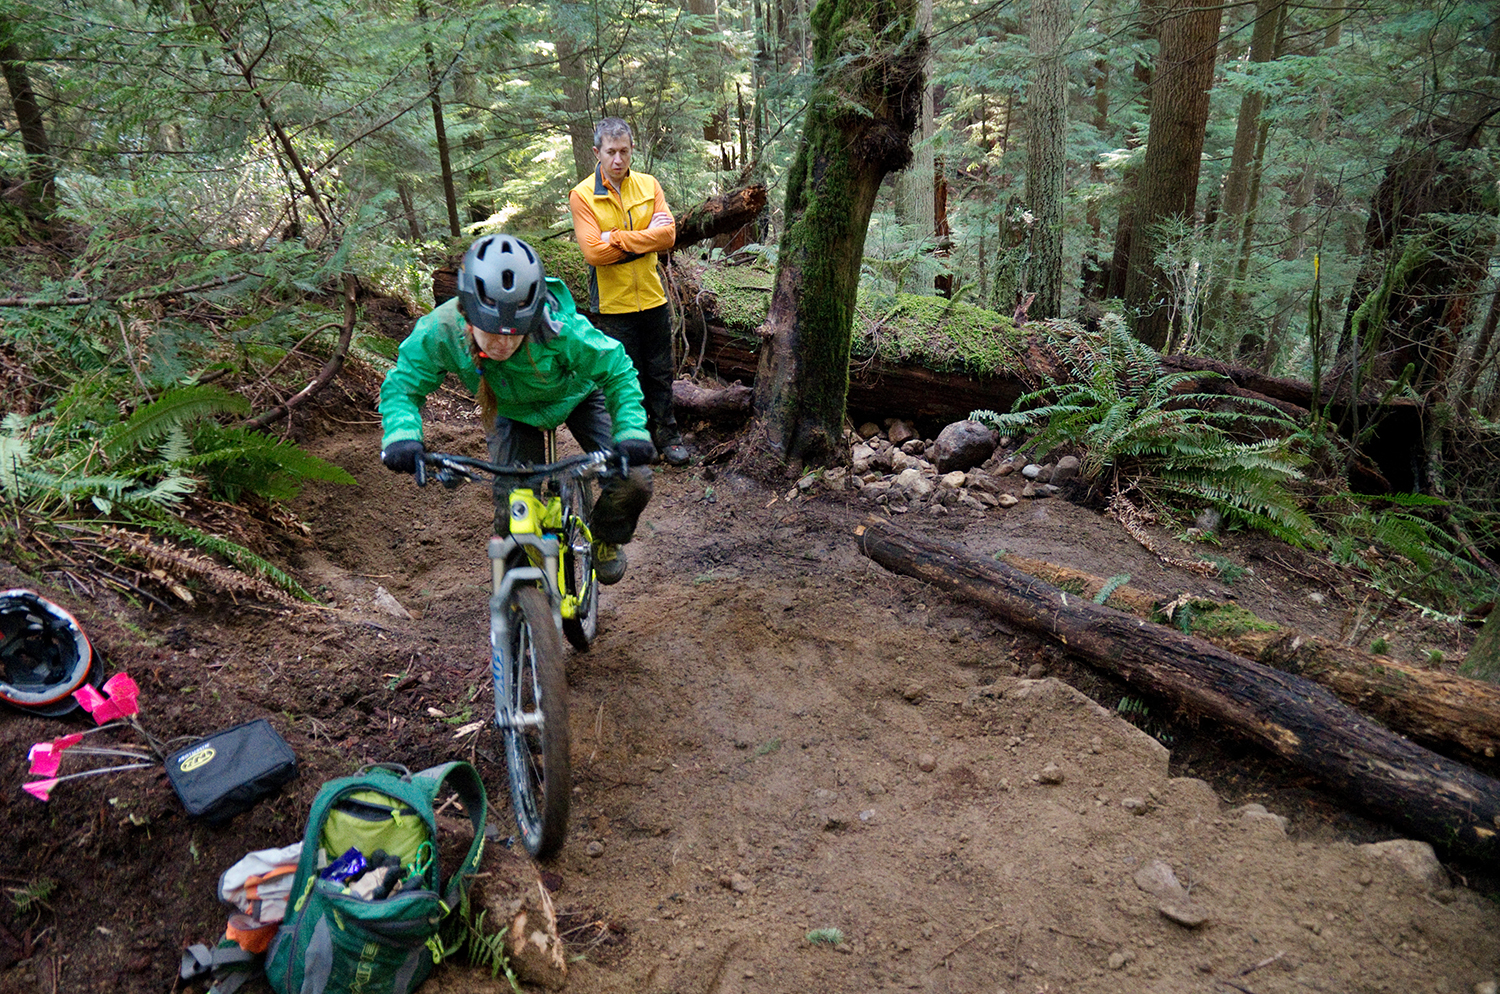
[(772, 735)]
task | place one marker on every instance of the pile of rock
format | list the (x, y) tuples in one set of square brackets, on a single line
[(962, 470)]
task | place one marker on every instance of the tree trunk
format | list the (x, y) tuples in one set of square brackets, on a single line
[(1424, 260), (1046, 153), (40, 176), (1174, 146), (1237, 211), (575, 85), (440, 131), (915, 208), (1455, 716), (842, 158), (1434, 798)]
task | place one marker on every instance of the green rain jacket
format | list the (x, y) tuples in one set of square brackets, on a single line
[(540, 385)]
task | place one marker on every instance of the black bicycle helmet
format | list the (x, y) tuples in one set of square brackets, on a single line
[(502, 289), (44, 655)]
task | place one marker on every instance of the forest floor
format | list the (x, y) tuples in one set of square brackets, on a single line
[(771, 735)]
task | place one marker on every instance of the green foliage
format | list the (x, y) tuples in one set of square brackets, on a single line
[(33, 894), (74, 464), (1110, 586), (463, 933), (1380, 646), (1400, 541), (1176, 448), (825, 936), (1138, 713)]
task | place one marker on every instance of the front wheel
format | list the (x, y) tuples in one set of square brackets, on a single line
[(531, 691), (578, 568)]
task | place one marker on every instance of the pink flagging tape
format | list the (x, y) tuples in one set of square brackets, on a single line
[(40, 789), (44, 759)]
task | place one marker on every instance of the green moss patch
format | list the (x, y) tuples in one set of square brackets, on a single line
[(742, 295), (941, 335), (1215, 621)]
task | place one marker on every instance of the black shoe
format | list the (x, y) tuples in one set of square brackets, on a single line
[(609, 562)]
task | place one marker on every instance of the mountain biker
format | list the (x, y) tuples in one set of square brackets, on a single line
[(516, 339)]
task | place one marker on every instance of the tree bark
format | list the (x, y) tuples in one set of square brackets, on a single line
[(803, 379), (725, 404), (40, 176), (1456, 716), (1168, 184), (720, 215), (440, 131), (1434, 798), (1046, 154)]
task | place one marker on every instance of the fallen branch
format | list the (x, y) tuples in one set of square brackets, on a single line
[(326, 374), (217, 281), (720, 215), (1432, 797)]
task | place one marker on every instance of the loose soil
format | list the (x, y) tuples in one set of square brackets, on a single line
[(772, 735)]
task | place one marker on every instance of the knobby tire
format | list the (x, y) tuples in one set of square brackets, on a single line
[(537, 757), (578, 569)]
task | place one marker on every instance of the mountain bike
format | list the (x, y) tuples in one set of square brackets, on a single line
[(543, 585)]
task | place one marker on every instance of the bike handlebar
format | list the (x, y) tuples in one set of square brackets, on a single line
[(451, 470)]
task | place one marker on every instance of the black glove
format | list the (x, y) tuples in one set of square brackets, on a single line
[(637, 451), (402, 456)]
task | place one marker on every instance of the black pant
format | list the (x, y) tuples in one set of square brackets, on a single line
[(647, 337), (620, 502)]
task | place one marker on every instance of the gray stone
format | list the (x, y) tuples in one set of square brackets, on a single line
[(914, 447), (1031, 471), (963, 445), (868, 430), (1066, 469), (1414, 858), (900, 432), (912, 482)]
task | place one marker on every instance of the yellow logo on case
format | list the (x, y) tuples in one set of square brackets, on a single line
[(196, 758)]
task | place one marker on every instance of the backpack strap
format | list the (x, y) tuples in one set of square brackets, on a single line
[(461, 777), (230, 965)]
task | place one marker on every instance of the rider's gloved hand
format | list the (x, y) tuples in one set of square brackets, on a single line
[(637, 451), (402, 456)]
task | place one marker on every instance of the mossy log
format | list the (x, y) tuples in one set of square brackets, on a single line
[(1448, 713), (881, 389), (1434, 798)]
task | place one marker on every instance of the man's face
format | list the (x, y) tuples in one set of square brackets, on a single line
[(614, 158)]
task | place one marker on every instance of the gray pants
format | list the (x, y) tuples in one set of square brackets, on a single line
[(620, 502)]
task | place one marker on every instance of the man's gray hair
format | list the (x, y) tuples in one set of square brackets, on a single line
[(612, 127)]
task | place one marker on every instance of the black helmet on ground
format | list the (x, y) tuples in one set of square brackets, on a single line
[(44, 655), (502, 289)]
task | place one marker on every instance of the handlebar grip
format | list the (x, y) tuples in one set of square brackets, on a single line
[(421, 472)]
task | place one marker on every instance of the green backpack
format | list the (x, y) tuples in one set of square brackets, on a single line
[(335, 941)]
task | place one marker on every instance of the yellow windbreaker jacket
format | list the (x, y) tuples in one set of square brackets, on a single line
[(623, 275)]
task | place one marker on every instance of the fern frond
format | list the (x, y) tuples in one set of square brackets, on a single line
[(174, 408), (269, 581)]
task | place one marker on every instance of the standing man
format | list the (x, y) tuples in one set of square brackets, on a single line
[(621, 221)]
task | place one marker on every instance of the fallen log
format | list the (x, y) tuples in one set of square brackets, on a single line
[(720, 215), (722, 404), (1434, 798), (1448, 713)]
